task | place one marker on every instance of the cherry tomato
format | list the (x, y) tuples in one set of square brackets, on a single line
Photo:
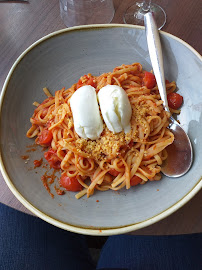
[(135, 180), (113, 172), (85, 80), (52, 158), (149, 80), (174, 100), (70, 183), (45, 137)]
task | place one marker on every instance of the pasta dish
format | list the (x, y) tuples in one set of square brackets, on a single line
[(113, 161)]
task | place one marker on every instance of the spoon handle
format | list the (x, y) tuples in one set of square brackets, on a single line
[(155, 52)]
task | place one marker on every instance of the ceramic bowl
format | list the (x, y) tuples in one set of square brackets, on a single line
[(58, 60)]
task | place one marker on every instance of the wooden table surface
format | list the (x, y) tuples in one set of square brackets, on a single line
[(21, 24)]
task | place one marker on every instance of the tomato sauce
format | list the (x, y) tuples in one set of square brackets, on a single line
[(38, 163), (44, 179), (31, 150), (59, 191), (25, 157), (48, 180)]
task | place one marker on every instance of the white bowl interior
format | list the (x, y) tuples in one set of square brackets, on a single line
[(59, 61)]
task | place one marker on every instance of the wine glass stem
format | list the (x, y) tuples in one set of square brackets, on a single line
[(146, 5)]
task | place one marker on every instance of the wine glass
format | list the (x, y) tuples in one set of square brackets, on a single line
[(135, 13)]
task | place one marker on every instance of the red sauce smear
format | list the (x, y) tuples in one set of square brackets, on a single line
[(31, 150), (45, 166), (48, 180), (37, 163), (31, 145), (25, 157), (58, 190), (44, 179), (52, 177)]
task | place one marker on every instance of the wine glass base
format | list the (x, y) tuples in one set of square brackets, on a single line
[(135, 15)]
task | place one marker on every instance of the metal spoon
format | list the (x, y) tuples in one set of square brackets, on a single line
[(180, 153)]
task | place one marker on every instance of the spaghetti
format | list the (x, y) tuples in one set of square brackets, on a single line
[(113, 161)]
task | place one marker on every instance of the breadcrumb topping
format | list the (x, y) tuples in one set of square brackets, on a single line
[(108, 146)]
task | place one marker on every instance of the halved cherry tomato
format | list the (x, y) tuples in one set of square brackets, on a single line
[(149, 80), (70, 183), (52, 159), (85, 80), (135, 180), (45, 137), (113, 172), (174, 100)]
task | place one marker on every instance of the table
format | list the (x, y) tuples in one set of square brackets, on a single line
[(21, 24)]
